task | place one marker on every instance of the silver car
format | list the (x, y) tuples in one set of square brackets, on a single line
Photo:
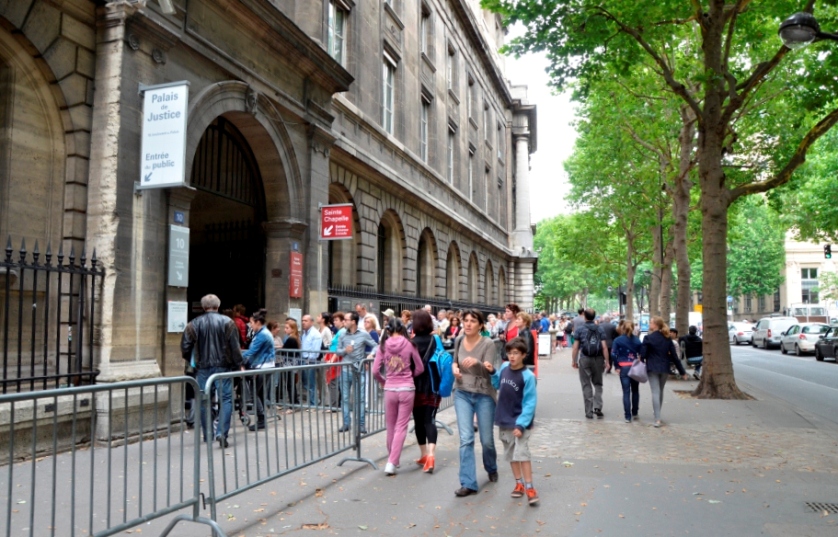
[(740, 332), (801, 338)]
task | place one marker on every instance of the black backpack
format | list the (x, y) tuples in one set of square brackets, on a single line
[(591, 341)]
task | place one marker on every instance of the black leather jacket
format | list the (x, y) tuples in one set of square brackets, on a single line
[(215, 339)]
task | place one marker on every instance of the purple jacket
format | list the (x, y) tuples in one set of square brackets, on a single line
[(396, 355)]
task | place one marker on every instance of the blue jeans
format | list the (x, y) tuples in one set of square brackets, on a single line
[(347, 376), (466, 405), (631, 393), (226, 397), (310, 384)]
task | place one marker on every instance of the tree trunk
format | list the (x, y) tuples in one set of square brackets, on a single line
[(666, 283), (654, 279), (680, 213), (630, 270)]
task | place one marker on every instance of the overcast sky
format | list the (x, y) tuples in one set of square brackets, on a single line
[(548, 181)]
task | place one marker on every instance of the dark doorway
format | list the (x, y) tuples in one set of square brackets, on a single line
[(227, 242)]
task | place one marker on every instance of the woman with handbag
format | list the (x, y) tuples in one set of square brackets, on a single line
[(624, 351), (658, 352)]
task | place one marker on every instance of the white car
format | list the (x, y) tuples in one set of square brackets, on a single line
[(800, 338), (769, 330), (740, 332)]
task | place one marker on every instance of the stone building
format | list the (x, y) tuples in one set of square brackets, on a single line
[(398, 107)]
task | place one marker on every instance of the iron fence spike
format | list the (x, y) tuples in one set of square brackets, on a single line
[(22, 250), (9, 249)]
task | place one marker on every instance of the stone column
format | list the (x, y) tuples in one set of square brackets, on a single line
[(281, 235), (522, 236), (316, 268), (109, 220)]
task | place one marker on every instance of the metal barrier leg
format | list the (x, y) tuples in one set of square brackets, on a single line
[(216, 529), (444, 426), (357, 404)]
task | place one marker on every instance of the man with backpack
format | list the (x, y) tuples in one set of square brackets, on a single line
[(590, 341)]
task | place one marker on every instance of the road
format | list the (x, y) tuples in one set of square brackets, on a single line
[(809, 386)]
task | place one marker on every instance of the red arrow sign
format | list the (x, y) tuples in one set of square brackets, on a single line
[(336, 222)]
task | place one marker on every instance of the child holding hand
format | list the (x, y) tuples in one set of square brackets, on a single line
[(514, 415)]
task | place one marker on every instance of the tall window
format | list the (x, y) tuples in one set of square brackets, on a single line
[(761, 302), (423, 129), (809, 284), (388, 76), (471, 175), (487, 118), (487, 176), (470, 97), (449, 67), (501, 142), (337, 30), (425, 31), (450, 154)]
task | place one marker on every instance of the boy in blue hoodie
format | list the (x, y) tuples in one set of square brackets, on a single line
[(514, 415)]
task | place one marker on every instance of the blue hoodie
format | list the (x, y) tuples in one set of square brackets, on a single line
[(517, 397)]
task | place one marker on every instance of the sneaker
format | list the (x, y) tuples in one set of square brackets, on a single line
[(493, 477), (519, 490), (390, 469), (463, 491), (628, 420), (696, 377), (344, 429), (222, 441), (589, 416), (599, 413), (363, 430), (532, 496)]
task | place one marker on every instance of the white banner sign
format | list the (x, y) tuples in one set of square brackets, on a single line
[(164, 135)]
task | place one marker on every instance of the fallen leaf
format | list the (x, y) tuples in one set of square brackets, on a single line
[(621, 516), (713, 501), (318, 526), (318, 493), (363, 528)]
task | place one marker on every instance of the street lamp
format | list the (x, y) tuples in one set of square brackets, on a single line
[(802, 29)]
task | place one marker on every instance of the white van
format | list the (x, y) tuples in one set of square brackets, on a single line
[(769, 331), (695, 318)]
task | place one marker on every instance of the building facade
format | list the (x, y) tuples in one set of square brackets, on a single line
[(397, 107)]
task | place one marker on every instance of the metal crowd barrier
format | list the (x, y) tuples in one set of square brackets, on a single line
[(98, 460)]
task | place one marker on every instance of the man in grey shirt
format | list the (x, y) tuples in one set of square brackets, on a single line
[(351, 347)]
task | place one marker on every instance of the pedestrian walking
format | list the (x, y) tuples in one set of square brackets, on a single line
[(215, 340), (312, 341), (351, 347), (426, 403), (589, 340), (624, 351), (260, 355), (474, 395), (523, 321), (609, 330), (514, 415), (658, 352), (398, 357)]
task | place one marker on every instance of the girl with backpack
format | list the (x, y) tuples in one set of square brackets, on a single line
[(426, 403), (398, 355)]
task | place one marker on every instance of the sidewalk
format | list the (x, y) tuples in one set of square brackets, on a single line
[(736, 468)]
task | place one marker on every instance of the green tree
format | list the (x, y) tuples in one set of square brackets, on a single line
[(756, 254), (737, 85)]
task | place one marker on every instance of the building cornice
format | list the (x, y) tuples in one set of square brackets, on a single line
[(466, 16)]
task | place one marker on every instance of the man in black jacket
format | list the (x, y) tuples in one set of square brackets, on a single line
[(214, 338), (693, 350)]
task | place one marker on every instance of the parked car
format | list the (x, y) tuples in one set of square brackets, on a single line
[(827, 345), (740, 332), (800, 338), (769, 330)]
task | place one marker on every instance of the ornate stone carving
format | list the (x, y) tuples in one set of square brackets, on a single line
[(158, 56), (133, 41), (251, 100)]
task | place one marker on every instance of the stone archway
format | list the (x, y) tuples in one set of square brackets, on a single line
[(502, 298), (452, 272), (426, 262), (473, 279), (390, 253)]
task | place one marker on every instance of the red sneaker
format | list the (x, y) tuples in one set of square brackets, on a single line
[(532, 496), (519, 490)]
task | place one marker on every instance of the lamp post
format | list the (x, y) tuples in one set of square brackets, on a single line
[(801, 29)]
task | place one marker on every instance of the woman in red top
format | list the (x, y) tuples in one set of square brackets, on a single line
[(453, 329), (510, 316)]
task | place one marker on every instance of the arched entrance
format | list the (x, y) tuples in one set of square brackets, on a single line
[(452, 272), (390, 253), (489, 284), (227, 242), (426, 260), (473, 279)]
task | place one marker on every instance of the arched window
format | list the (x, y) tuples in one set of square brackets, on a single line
[(489, 284), (390, 253), (473, 279), (502, 299), (426, 265)]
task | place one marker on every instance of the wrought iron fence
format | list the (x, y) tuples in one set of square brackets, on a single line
[(398, 302), (47, 318)]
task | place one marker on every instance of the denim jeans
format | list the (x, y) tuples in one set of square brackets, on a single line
[(631, 393), (226, 399), (466, 405), (347, 376), (310, 384)]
